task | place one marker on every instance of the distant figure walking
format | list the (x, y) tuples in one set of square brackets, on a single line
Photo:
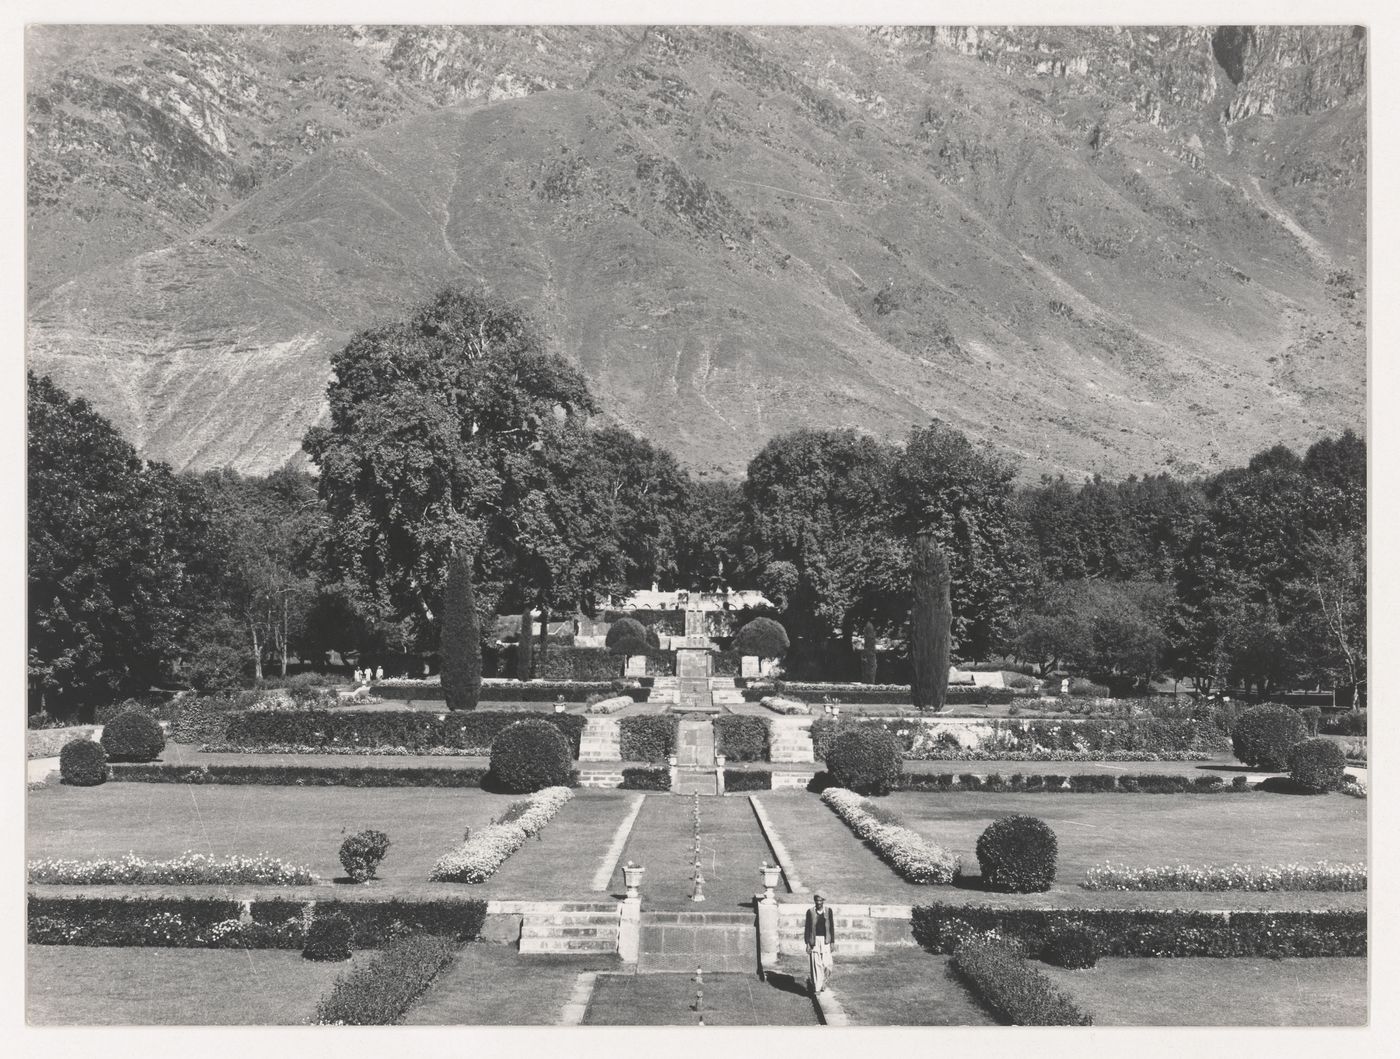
[(359, 676), (378, 672), (819, 933)]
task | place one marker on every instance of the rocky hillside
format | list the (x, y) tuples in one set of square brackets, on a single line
[(1102, 250)]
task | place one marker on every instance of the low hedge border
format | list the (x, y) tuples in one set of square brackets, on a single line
[(899, 695), (1092, 783), (218, 923), (736, 780), (303, 775), (379, 992), (406, 728), (940, 927), (478, 858), (998, 973), (646, 778), (1324, 875), (573, 692), (903, 849)]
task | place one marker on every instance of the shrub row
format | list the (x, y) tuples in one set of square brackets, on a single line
[(199, 922), (1323, 875), (379, 992), (737, 780), (188, 869), (406, 728), (940, 927), (879, 694), (646, 778), (535, 691), (347, 751), (997, 971), (904, 850), (1093, 783), (302, 775), (477, 859), (742, 738), (651, 737)]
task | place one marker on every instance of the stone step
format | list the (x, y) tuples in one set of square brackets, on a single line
[(551, 930), (548, 920), (782, 781), (578, 946), (683, 941), (599, 778)]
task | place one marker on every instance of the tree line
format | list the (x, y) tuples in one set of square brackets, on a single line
[(456, 440)]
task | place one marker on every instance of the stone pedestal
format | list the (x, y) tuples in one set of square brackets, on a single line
[(748, 667), (629, 933), (636, 666), (767, 930)]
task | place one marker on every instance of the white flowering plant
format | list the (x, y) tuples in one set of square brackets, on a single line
[(905, 850), (188, 869), (1324, 875), (477, 859)]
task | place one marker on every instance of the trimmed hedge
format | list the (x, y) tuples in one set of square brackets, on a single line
[(406, 728), (1317, 764), (204, 922), (737, 780), (1095, 783), (381, 991), (1017, 854), (1264, 734), (865, 759), (83, 763), (939, 927), (530, 756), (646, 778), (133, 735), (543, 691), (998, 973), (302, 775), (651, 737), (361, 853), (1074, 947), (740, 737), (328, 939), (900, 695)]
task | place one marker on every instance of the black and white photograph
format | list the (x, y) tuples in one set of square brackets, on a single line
[(743, 522)]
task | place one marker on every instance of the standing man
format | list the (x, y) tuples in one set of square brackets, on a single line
[(819, 933)]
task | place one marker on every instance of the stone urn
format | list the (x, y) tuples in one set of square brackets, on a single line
[(672, 760), (632, 876), (719, 760), (771, 873)]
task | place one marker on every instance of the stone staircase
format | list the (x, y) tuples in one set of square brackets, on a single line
[(601, 777), (571, 928), (855, 932), (693, 696), (601, 740), (792, 741), (665, 690), (711, 941), (695, 758)]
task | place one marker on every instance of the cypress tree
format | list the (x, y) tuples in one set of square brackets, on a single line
[(461, 637), (526, 647), (869, 663), (930, 624)]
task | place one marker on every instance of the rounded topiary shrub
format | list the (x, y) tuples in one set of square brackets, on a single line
[(1017, 855), (1074, 947), (328, 938), (530, 756), (83, 763), (627, 636), (865, 759), (1317, 764), (133, 736), (763, 637), (360, 854), (1264, 734)]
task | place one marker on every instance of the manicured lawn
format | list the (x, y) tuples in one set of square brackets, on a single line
[(663, 841), (1322, 991), (669, 999), (493, 985), (304, 825), (184, 754), (1091, 828), (82, 986), (561, 861), (900, 987)]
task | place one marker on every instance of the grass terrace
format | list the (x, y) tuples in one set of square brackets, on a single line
[(493, 985), (1120, 991), (668, 1000), (86, 986), (900, 987)]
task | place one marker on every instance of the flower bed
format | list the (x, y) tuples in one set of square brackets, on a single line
[(940, 928), (508, 690), (477, 859), (881, 694), (302, 775), (1048, 783), (378, 993), (1320, 876), (201, 922), (786, 706), (465, 729), (616, 704), (904, 850), (189, 869), (997, 971), (348, 751)]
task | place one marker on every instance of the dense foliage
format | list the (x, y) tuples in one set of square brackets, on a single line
[(409, 729), (1317, 765), (83, 763), (377, 993), (997, 971), (361, 853), (328, 938), (930, 625), (133, 735), (742, 738), (1264, 734), (529, 756), (461, 637), (648, 738), (763, 637), (1017, 854), (865, 758)]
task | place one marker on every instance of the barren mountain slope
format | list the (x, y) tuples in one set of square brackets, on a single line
[(1099, 250)]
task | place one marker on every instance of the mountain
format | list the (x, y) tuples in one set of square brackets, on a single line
[(1102, 250)]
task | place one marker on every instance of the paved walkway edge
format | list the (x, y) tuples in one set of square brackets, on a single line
[(624, 831), (829, 1009), (794, 884), (577, 1006)]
